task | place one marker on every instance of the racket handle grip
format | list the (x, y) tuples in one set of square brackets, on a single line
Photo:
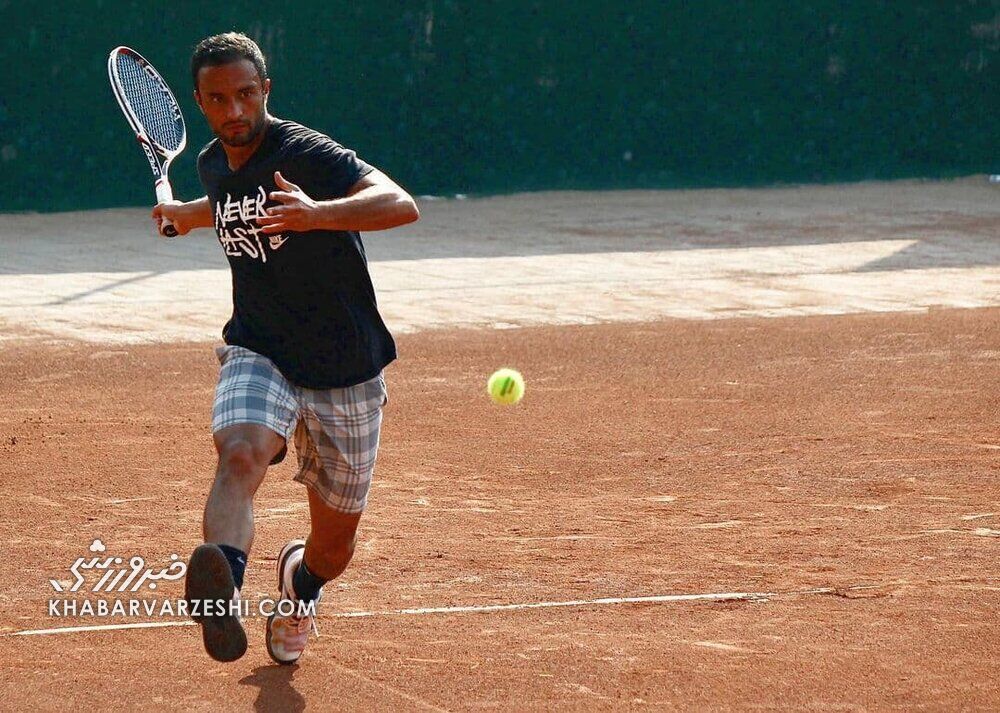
[(163, 195)]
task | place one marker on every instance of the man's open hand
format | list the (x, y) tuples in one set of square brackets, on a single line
[(297, 212)]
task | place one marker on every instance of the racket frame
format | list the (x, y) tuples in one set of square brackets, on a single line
[(159, 157)]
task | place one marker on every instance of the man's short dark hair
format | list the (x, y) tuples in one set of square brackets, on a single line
[(225, 48)]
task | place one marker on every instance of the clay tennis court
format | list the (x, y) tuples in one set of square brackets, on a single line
[(756, 465)]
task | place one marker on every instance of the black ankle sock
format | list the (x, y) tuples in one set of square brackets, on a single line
[(306, 584), (237, 563)]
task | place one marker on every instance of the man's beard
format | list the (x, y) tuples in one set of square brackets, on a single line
[(252, 133)]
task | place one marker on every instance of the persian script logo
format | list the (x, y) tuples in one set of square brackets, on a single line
[(108, 576), (236, 225), (116, 577)]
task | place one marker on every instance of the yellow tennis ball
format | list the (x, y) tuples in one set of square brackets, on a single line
[(505, 386)]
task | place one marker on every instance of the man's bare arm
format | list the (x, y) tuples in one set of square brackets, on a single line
[(185, 216), (375, 202)]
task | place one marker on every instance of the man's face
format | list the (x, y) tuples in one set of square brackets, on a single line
[(234, 101)]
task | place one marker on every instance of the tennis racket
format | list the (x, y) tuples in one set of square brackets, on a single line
[(154, 115)]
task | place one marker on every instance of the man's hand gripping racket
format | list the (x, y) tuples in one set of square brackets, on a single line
[(155, 117)]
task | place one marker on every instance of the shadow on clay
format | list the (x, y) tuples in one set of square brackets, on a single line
[(276, 690)]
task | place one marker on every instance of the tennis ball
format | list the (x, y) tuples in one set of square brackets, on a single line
[(505, 386)]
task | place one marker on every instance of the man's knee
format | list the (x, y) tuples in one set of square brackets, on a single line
[(242, 457)]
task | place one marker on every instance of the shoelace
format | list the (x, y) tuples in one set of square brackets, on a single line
[(303, 624), (310, 623), (298, 621)]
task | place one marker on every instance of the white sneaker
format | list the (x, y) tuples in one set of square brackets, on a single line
[(286, 634)]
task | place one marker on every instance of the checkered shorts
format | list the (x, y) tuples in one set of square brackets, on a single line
[(335, 431)]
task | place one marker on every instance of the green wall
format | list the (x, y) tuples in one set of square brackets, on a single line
[(478, 97)]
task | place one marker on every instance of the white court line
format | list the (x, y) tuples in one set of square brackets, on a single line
[(485, 608), (716, 597), (101, 627)]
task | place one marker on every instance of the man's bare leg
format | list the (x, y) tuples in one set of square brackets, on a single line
[(331, 541), (304, 567), (215, 571), (245, 452)]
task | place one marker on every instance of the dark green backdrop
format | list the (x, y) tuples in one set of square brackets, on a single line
[(476, 97)]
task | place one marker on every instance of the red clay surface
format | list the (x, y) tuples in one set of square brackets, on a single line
[(857, 453)]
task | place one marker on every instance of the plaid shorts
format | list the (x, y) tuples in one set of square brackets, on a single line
[(335, 431)]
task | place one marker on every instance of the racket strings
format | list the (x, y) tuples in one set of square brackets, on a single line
[(152, 103)]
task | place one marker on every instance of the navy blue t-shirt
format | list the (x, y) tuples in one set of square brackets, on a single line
[(303, 300)]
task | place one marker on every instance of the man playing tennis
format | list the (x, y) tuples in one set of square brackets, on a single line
[(305, 346)]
